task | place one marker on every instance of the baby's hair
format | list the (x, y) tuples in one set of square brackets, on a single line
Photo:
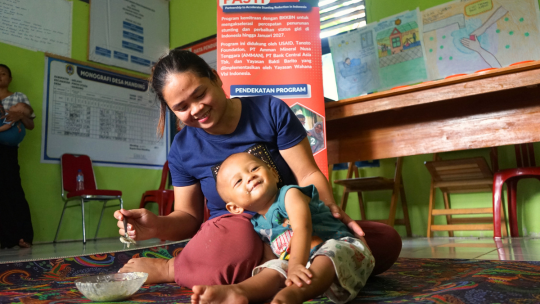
[(259, 151)]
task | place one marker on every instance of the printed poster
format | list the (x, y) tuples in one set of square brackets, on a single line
[(35, 26), (465, 36), (273, 47), (206, 49), (400, 51), (131, 34), (108, 116)]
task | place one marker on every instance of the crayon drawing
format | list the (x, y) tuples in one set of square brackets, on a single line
[(465, 36), (355, 62), (399, 49)]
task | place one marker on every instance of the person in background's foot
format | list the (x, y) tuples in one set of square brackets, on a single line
[(21, 244), (24, 244)]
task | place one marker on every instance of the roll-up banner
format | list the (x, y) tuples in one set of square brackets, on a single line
[(272, 47)]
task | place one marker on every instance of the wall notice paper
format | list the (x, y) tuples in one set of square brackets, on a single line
[(131, 34), (272, 47), (400, 51), (108, 116), (207, 50), (37, 26), (356, 64), (465, 36)]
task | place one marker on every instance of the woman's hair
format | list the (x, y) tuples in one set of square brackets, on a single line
[(177, 61), (6, 67)]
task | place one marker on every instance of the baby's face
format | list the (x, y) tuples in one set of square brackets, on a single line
[(247, 182)]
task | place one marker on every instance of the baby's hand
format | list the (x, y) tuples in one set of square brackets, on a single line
[(298, 274)]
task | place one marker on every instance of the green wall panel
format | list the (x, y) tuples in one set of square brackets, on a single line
[(192, 20), (41, 182)]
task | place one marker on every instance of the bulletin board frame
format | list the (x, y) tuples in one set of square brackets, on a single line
[(157, 163)]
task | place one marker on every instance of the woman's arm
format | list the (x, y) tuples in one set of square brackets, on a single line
[(300, 160), (180, 224), (297, 206), (28, 122)]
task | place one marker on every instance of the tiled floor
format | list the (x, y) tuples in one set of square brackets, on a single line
[(71, 249), (518, 249), (512, 249)]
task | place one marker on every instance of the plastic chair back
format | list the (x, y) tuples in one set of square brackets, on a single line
[(164, 175), (71, 164)]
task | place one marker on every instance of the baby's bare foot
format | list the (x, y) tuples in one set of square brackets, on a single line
[(218, 294), (157, 269)]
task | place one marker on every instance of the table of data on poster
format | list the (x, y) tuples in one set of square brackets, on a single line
[(99, 116)]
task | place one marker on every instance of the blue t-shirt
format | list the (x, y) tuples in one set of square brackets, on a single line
[(264, 120), (274, 229)]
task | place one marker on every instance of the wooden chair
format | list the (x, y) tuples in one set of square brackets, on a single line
[(526, 168), (359, 185), (466, 175)]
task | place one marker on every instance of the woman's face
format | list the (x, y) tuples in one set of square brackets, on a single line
[(318, 128), (5, 79), (197, 102)]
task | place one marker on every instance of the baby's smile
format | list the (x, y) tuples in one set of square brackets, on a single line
[(255, 185)]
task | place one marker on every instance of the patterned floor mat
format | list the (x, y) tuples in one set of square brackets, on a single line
[(409, 280)]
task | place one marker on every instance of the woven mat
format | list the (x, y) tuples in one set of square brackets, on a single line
[(409, 280)]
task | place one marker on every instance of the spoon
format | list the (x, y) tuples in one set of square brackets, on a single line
[(125, 238)]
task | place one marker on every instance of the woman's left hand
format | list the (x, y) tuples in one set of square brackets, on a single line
[(347, 220)]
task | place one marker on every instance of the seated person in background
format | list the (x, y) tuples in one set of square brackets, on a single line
[(317, 253), (12, 133)]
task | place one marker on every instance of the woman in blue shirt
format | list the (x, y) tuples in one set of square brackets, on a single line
[(224, 249)]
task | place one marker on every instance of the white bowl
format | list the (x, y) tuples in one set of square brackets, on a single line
[(111, 287)]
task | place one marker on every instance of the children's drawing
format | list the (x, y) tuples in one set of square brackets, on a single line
[(465, 36), (355, 62), (399, 49)]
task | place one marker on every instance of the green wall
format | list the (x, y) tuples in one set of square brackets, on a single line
[(191, 21), (41, 182)]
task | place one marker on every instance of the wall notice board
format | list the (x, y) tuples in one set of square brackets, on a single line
[(109, 116), (130, 34)]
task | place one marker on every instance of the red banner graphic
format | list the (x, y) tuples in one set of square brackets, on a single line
[(272, 47)]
